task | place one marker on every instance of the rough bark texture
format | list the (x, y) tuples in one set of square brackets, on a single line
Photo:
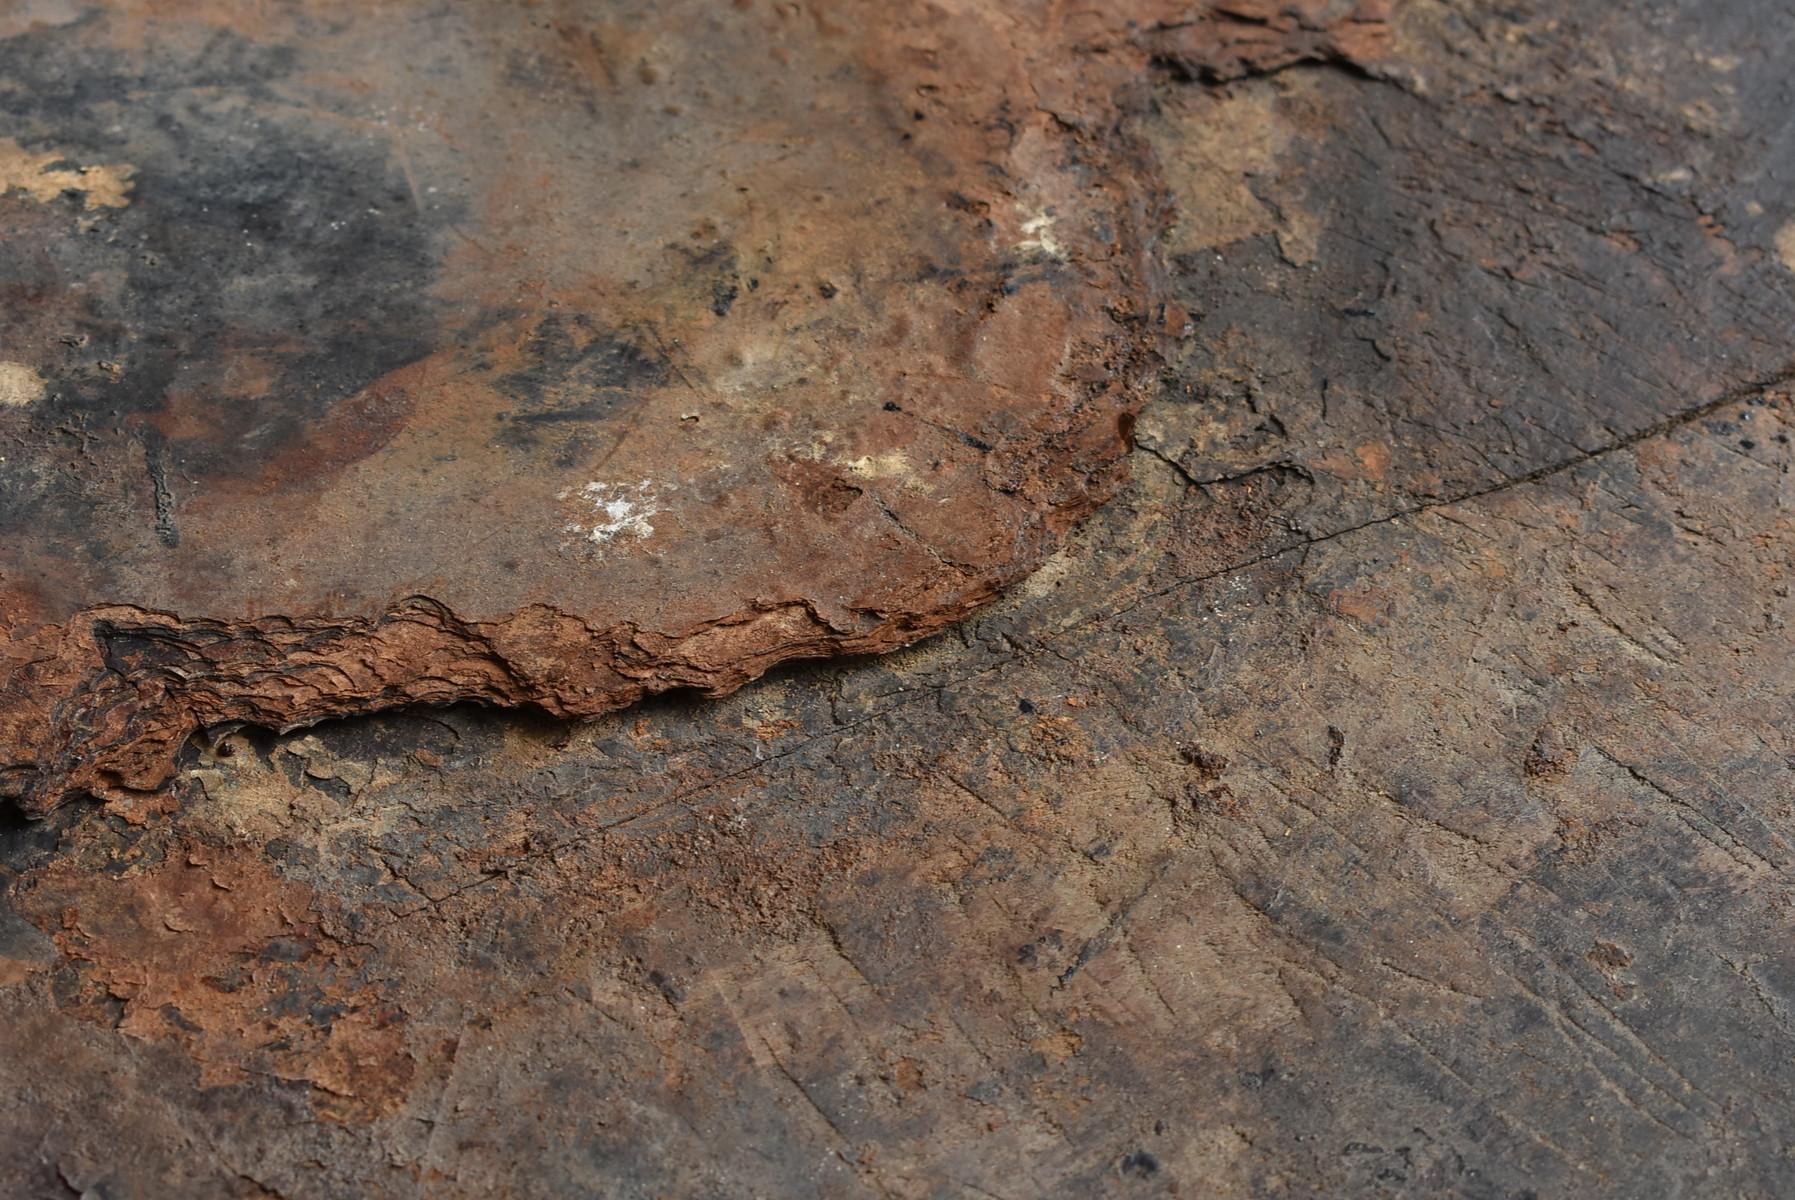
[(1386, 794)]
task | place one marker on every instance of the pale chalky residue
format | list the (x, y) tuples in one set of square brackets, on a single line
[(615, 511), (1039, 237)]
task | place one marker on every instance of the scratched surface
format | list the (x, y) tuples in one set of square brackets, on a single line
[(1386, 794)]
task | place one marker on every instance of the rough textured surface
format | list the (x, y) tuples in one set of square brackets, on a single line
[(359, 355), (1387, 794)]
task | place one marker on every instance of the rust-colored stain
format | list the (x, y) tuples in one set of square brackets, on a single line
[(222, 956), (556, 354)]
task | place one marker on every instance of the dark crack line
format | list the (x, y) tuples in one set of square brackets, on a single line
[(1282, 464), (488, 875), (162, 498), (683, 795), (1657, 429), (1118, 921)]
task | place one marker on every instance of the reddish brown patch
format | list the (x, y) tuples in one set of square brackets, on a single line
[(226, 958)]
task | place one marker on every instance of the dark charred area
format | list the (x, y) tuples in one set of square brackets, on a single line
[(575, 376), (262, 272)]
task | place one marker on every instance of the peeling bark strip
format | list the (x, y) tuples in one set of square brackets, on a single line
[(140, 683), (1234, 39), (654, 344)]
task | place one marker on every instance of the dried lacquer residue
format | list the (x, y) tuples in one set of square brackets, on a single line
[(20, 385), (47, 175)]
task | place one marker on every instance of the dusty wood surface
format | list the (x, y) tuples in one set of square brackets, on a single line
[(1388, 794)]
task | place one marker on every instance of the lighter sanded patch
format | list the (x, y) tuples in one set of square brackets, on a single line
[(1227, 158), (1785, 245), (1048, 576), (892, 464), (19, 385), (37, 175), (25, 16)]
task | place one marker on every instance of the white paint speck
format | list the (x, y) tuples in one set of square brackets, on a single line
[(611, 511), (1038, 235)]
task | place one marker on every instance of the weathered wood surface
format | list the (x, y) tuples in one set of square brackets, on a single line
[(1388, 794), (363, 355)]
